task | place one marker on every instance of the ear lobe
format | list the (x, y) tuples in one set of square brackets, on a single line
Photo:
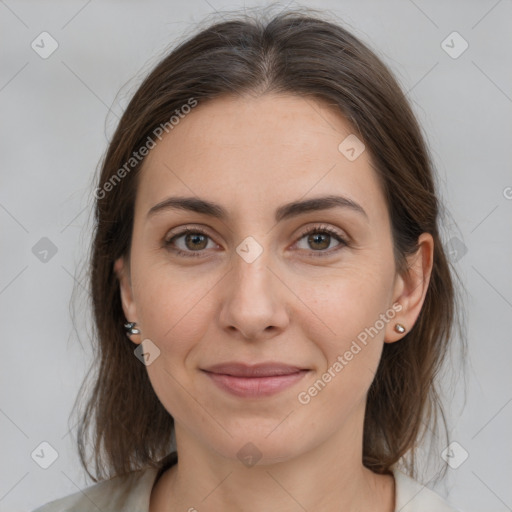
[(122, 272), (411, 287)]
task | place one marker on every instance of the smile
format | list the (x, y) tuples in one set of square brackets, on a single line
[(255, 386), (254, 381)]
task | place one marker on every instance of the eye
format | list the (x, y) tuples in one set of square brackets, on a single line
[(192, 245), (192, 242), (319, 238)]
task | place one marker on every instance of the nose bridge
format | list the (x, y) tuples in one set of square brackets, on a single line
[(252, 301), (252, 278)]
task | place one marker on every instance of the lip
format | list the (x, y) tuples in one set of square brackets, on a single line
[(258, 380), (269, 369)]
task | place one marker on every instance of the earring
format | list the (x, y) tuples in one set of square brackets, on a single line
[(399, 328), (131, 329)]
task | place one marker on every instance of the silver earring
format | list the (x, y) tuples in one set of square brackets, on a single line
[(399, 328), (131, 329)]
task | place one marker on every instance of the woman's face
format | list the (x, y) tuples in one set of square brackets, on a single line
[(250, 286)]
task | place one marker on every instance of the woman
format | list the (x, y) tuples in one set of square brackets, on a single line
[(267, 238)]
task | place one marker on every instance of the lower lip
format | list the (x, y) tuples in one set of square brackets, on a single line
[(255, 386)]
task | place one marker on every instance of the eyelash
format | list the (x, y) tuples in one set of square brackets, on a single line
[(309, 231)]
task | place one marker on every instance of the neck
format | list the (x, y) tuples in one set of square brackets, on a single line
[(328, 477)]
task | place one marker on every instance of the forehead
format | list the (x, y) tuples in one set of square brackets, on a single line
[(248, 152)]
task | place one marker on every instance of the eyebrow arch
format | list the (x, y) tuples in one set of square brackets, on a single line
[(285, 211)]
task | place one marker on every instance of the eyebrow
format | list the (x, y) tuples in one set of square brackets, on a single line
[(286, 211)]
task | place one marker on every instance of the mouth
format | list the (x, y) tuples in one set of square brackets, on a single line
[(258, 380)]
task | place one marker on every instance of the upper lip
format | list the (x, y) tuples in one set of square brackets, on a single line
[(255, 370)]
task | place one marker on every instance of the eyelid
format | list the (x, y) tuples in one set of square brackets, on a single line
[(321, 227), (184, 230)]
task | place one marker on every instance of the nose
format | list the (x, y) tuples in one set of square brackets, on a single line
[(254, 299)]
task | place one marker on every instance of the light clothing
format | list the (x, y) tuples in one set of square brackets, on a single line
[(131, 493)]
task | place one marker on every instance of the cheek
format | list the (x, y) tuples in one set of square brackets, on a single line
[(351, 312), (174, 310), (344, 303), (174, 307), (350, 357)]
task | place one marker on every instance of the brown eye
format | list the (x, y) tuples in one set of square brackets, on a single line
[(195, 241), (318, 240), (188, 242)]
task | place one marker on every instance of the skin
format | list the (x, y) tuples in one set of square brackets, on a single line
[(292, 305)]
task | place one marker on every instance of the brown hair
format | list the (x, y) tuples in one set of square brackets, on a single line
[(300, 53)]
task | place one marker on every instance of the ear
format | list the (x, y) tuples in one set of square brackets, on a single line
[(411, 287), (122, 271)]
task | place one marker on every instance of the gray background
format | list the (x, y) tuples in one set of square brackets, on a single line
[(55, 126)]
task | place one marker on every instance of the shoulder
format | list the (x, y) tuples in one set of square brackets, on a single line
[(411, 496), (124, 493)]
